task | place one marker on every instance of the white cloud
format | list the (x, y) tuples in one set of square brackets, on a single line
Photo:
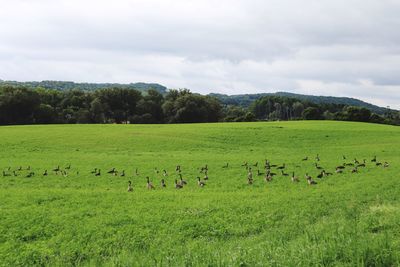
[(230, 46)]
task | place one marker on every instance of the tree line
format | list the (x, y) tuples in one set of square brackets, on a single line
[(23, 105)]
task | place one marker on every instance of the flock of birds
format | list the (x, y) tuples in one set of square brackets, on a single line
[(271, 170)]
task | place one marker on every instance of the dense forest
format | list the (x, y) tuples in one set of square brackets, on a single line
[(25, 105)]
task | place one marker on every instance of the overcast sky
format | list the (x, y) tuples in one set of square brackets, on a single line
[(322, 47)]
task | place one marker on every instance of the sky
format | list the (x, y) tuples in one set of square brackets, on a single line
[(321, 47)]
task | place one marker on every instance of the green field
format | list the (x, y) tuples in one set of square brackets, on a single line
[(346, 219)]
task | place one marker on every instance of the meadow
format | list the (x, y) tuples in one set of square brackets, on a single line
[(349, 219)]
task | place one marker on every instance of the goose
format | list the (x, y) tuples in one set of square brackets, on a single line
[(205, 177), (374, 159), (268, 177), (259, 173), (320, 175), (123, 173), (177, 185), (94, 171), (338, 170), (344, 157), (112, 171), (244, 164), (249, 180), (68, 167), (295, 178), (305, 159), (156, 171), (354, 170), (310, 181), (326, 173), (45, 173), (182, 182), (284, 174), (200, 183), (362, 164), (29, 175), (150, 186), (136, 172), (386, 164), (163, 185), (57, 169), (317, 158), (20, 168), (356, 161), (341, 166), (28, 168), (226, 165), (98, 173), (281, 167), (349, 164), (250, 175), (130, 188), (6, 174), (165, 174), (378, 163), (318, 167)]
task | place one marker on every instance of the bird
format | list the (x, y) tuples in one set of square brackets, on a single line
[(378, 163), (249, 180), (150, 186), (130, 188), (45, 173), (98, 173), (310, 181), (68, 167), (268, 177), (317, 158), (137, 172), (338, 170), (94, 171), (112, 171), (123, 173), (373, 159), (29, 175), (304, 159), (165, 174), (6, 174), (226, 165), (281, 167), (284, 174), (177, 185), (326, 173), (320, 175), (205, 177), (200, 183), (163, 185), (318, 167), (182, 182), (354, 170), (294, 178), (259, 173), (341, 166), (386, 164), (56, 169)]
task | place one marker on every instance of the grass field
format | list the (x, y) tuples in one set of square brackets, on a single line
[(346, 219)]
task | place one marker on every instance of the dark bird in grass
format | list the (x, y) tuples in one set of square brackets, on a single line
[(386, 164), (182, 182), (281, 167), (295, 179), (68, 167), (98, 173), (56, 169), (339, 170), (354, 170), (310, 181), (318, 167), (249, 180), (373, 159), (200, 183), (341, 167), (326, 173), (283, 173), (177, 185), (28, 168), (317, 158), (165, 174), (6, 174), (150, 186), (349, 164), (112, 171), (320, 175), (226, 165), (123, 173), (45, 173), (156, 171), (20, 168), (362, 164), (94, 171), (15, 173), (29, 175), (304, 159), (244, 164), (259, 173), (163, 185), (378, 163), (268, 177), (130, 188), (205, 177), (137, 172), (255, 164), (356, 161)]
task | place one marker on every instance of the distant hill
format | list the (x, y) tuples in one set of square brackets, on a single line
[(245, 100), (64, 85)]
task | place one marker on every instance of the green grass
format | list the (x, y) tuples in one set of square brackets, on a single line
[(345, 220)]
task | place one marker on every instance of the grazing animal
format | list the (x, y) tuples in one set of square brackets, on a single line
[(57, 169), (255, 164), (15, 173), (284, 174), (226, 165), (29, 175), (130, 188), (295, 179), (259, 173), (20, 168), (112, 171), (68, 167), (163, 185), (326, 173), (268, 177), (310, 181), (341, 166), (45, 173), (354, 170), (200, 183), (150, 186), (249, 180), (94, 171), (317, 158), (205, 177), (165, 174), (378, 163), (386, 164), (373, 159), (305, 159), (338, 170), (177, 185), (344, 157), (6, 174), (123, 173), (281, 167), (318, 167), (98, 173), (320, 175)]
